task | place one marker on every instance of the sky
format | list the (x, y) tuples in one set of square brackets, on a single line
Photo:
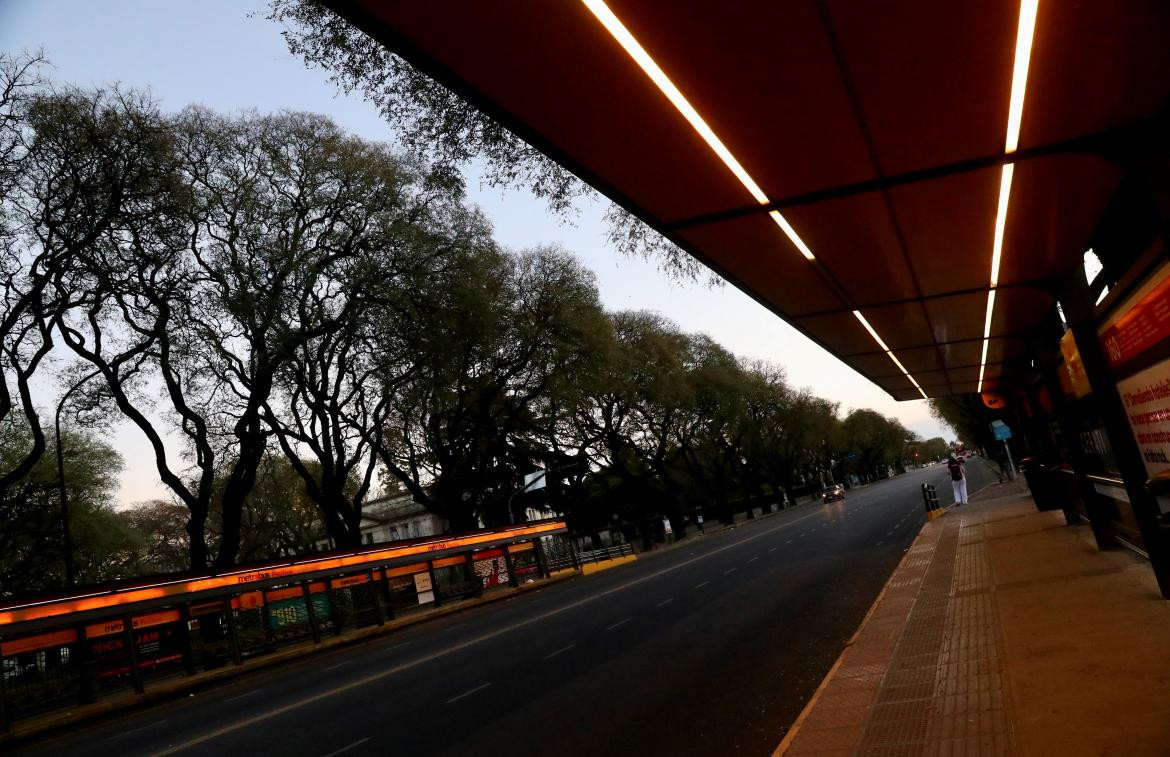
[(226, 55)]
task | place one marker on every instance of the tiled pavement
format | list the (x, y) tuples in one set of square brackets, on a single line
[(1002, 632)]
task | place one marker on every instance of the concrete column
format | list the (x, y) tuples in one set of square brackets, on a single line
[(132, 651), (307, 593), (469, 569), (233, 635), (510, 564), (376, 596)]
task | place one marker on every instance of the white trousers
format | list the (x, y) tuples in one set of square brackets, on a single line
[(960, 488)]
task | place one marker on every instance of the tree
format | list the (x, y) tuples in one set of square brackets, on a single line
[(165, 544), (280, 517), (495, 345), (32, 552), (626, 420), (432, 121), (967, 416), (211, 252)]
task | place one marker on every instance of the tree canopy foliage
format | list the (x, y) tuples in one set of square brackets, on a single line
[(432, 121)]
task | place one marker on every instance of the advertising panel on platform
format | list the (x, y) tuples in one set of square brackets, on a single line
[(1146, 396), (1136, 337)]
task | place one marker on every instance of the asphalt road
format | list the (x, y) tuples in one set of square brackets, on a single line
[(710, 647)]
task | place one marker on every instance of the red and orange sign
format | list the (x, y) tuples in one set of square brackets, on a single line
[(40, 641), (1143, 326), (142, 621)]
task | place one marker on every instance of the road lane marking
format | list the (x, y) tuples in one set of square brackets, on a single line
[(151, 724), (551, 655), (466, 643), (359, 742), (241, 696), (476, 690), (773, 549), (879, 544), (337, 665), (788, 542), (729, 571), (754, 559), (619, 623), (665, 602)]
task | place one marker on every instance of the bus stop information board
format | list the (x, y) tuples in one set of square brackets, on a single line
[(1146, 395), (1143, 324)]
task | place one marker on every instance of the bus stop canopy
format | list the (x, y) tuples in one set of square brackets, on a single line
[(847, 164)]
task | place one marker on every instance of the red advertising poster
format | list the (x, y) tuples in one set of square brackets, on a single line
[(1146, 395), (492, 571), (1140, 327)]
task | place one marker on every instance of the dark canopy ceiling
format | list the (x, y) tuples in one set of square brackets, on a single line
[(877, 129)]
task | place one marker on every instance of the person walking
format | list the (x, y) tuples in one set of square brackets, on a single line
[(958, 479)]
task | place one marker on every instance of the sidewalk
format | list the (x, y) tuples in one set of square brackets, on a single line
[(1002, 632)]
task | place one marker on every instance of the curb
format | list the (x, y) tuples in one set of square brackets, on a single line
[(21, 731), (790, 736)]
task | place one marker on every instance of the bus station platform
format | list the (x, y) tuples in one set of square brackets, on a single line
[(1004, 631)]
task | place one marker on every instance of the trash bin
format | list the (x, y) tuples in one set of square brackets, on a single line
[(1040, 479)]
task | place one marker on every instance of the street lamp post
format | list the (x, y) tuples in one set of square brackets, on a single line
[(61, 489)]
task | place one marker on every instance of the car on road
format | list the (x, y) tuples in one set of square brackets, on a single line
[(833, 493)]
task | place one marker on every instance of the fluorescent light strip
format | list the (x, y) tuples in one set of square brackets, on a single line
[(791, 234), (1005, 193), (986, 336), (889, 353), (635, 50), (1025, 34)]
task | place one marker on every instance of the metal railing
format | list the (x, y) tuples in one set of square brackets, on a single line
[(607, 553), (561, 554)]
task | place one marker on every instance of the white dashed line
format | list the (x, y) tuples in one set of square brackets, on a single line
[(337, 665), (452, 700), (665, 602), (151, 724), (699, 586), (729, 571), (359, 742), (788, 542), (551, 655), (773, 549), (241, 696), (753, 559), (619, 623)]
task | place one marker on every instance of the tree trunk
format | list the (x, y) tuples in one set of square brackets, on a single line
[(197, 541), (239, 485)]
